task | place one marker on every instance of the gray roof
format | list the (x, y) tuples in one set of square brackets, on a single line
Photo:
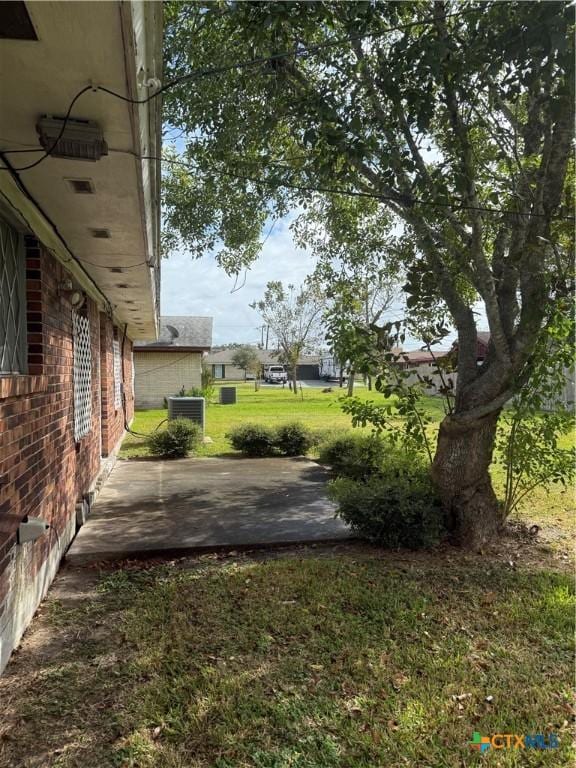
[(181, 331)]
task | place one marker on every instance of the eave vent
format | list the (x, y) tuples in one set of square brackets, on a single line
[(101, 234), (81, 186), (80, 139)]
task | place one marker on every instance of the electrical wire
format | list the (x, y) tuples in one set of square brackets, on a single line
[(114, 266), (127, 428), (399, 199), (200, 74), (49, 151), (167, 365)]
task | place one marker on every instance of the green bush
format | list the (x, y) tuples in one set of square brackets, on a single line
[(253, 439), (353, 455), (397, 507), (293, 439), (179, 437)]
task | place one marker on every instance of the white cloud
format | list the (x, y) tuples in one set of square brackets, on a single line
[(201, 287)]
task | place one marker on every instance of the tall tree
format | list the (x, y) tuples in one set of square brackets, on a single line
[(294, 317), (457, 117), (246, 358)]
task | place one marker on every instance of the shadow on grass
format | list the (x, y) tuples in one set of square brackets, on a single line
[(347, 661)]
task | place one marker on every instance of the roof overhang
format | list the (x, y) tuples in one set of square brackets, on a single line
[(117, 45), (158, 348)]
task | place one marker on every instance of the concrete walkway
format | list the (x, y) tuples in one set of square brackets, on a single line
[(152, 508)]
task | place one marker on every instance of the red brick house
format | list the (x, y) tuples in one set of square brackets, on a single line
[(79, 269)]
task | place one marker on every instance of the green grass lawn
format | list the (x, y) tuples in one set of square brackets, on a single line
[(270, 405), (348, 659)]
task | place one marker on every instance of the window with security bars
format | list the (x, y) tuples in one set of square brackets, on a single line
[(13, 342), (82, 376), (117, 375)]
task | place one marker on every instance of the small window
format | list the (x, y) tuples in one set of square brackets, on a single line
[(82, 376), (13, 343), (117, 375)]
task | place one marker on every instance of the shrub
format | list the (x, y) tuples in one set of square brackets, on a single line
[(253, 439), (397, 507), (293, 439), (356, 456), (179, 437)]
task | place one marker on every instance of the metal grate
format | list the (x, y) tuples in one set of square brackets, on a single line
[(192, 408), (12, 301), (117, 375), (82, 376)]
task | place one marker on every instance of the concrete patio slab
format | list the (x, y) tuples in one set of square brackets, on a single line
[(152, 508)]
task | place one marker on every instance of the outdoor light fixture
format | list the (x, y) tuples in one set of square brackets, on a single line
[(71, 138), (74, 295)]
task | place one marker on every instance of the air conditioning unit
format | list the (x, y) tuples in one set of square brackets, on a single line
[(192, 408), (227, 395)]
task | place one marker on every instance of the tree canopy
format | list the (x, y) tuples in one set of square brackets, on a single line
[(456, 118)]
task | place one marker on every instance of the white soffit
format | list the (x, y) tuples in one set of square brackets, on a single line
[(81, 43)]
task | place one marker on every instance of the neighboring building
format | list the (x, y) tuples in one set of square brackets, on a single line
[(79, 270), (422, 363), (222, 367), (162, 368)]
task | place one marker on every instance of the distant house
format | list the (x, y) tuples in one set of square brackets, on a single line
[(423, 363), (222, 367), (163, 367)]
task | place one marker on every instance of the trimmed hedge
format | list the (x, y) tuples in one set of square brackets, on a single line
[(292, 439), (353, 455), (253, 439), (175, 441), (395, 507)]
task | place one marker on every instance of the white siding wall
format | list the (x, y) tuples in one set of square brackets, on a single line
[(161, 374)]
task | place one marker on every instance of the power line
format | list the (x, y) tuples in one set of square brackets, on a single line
[(114, 266), (199, 74), (166, 365), (400, 199)]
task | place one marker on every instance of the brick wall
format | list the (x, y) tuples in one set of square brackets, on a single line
[(161, 374), (43, 472)]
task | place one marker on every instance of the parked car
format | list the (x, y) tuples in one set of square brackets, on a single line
[(275, 374)]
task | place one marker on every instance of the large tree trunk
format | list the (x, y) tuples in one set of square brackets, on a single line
[(461, 474)]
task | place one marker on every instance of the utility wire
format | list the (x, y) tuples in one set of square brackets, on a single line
[(115, 266), (200, 74), (166, 365), (399, 199)]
